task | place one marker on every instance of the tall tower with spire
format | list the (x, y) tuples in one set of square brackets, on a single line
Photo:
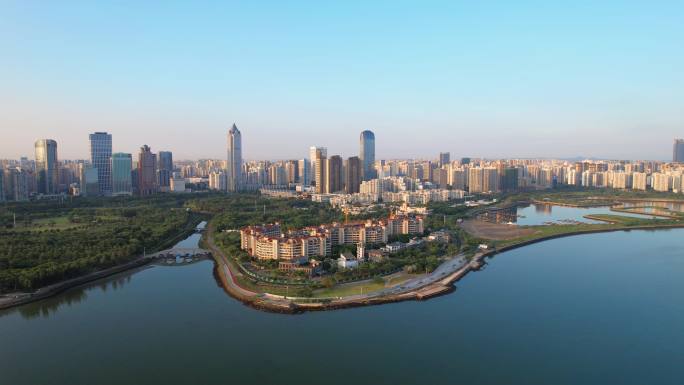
[(234, 167)]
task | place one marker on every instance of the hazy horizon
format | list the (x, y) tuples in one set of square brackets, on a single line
[(501, 80)]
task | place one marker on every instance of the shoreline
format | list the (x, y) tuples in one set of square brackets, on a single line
[(294, 305), (23, 298), (60, 287), (290, 305)]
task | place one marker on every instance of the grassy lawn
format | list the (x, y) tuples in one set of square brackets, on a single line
[(627, 221), (363, 287), (51, 223), (247, 283)]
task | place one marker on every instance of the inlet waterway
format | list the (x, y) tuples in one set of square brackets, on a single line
[(539, 214), (592, 309)]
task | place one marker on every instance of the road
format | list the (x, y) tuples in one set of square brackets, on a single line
[(442, 271)]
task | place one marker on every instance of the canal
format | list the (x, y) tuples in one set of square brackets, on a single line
[(592, 309)]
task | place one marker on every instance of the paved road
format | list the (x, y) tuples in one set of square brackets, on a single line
[(439, 273), (226, 267)]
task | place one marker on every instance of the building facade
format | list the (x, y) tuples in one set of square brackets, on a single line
[(101, 159), (678, 151), (122, 165), (147, 172), (444, 159), (269, 242), (234, 165), (333, 174), (367, 154), (47, 171), (352, 175), (164, 169), (319, 162)]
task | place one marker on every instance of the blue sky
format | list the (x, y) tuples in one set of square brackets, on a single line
[(492, 79)]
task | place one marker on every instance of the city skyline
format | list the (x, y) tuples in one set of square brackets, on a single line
[(511, 80), (435, 154)]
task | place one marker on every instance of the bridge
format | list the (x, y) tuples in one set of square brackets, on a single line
[(180, 255)]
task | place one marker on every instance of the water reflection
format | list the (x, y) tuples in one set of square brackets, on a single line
[(73, 296), (548, 214), (660, 208), (543, 209), (50, 306), (505, 215)]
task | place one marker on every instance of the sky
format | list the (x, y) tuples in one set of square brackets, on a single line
[(477, 78)]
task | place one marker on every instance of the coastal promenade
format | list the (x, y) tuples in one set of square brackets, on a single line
[(440, 281), (435, 283)]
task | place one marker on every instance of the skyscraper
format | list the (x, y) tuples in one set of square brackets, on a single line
[(367, 154), (678, 151), (352, 175), (101, 159), (2, 185), (444, 159), (147, 175), (47, 173), (165, 165), (15, 184), (319, 173), (333, 173), (312, 160), (509, 180), (490, 179), (234, 167), (90, 184), (122, 164), (475, 180), (304, 172)]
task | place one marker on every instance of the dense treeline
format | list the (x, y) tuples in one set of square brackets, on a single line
[(84, 236), (236, 211)]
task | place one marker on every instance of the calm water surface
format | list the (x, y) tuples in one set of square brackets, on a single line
[(539, 214), (593, 309)]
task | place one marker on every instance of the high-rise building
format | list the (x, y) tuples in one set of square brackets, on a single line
[(678, 151), (165, 169), (2, 185), (475, 180), (234, 166), (90, 183), (458, 178), (333, 173), (47, 171), (320, 161), (304, 172), (509, 179), (312, 160), (15, 184), (217, 181), (639, 180), (490, 179), (367, 154), (444, 159), (122, 165), (101, 159), (352, 175), (147, 172)]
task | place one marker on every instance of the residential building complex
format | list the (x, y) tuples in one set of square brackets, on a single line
[(269, 242)]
